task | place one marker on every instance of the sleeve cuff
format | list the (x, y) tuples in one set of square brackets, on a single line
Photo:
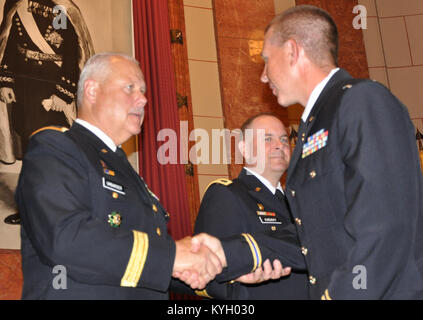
[(243, 256), (136, 261), (255, 251)]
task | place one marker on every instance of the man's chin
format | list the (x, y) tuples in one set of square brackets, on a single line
[(283, 102), (135, 129), (281, 166)]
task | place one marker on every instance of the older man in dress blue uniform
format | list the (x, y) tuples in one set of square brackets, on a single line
[(86, 210)]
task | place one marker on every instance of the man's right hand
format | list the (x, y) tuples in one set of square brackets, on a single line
[(7, 95), (212, 242), (195, 268)]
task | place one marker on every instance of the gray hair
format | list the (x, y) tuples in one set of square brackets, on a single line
[(98, 67)]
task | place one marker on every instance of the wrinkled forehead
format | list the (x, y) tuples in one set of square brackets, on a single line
[(123, 69)]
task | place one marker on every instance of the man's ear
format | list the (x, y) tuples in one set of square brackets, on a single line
[(293, 51), (90, 90)]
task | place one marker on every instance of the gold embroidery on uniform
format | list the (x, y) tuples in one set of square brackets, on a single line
[(223, 181), (66, 92), (61, 129), (203, 293), (254, 250), (136, 261)]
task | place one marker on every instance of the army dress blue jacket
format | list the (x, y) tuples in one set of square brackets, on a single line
[(355, 190), (247, 206), (84, 208)]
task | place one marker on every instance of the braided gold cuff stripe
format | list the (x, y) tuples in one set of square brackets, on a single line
[(255, 250), (136, 261)]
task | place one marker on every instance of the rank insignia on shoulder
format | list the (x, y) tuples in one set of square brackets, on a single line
[(315, 142), (222, 181), (115, 219), (60, 129), (347, 86)]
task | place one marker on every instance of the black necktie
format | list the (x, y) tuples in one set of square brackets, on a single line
[(121, 153), (301, 126), (280, 195)]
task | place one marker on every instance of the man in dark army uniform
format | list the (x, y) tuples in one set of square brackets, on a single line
[(43, 46), (89, 216), (87, 213), (254, 202), (354, 184)]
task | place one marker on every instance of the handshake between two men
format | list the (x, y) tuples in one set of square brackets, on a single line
[(200, 258)]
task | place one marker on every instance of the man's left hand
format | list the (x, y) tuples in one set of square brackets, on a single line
[(265, 273)]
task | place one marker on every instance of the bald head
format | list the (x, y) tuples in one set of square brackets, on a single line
[(249, 122), (111, 95), (312, 28), (265, 146)]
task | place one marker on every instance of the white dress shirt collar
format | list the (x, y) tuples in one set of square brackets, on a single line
[(316, 93), (99, 133), (266, 182)]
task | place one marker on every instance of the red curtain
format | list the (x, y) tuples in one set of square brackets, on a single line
[(153, 51)]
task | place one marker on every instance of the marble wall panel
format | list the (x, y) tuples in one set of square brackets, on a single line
[(352, 53), (10, 275), (239, 34)]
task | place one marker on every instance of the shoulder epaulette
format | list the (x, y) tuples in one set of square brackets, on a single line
[(61, 129), (223, 181)]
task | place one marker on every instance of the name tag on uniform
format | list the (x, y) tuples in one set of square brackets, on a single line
[(268, 217), (107, 184)]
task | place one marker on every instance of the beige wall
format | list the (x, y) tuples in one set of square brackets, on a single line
[(110, 26), (282, 5), (394, 47), (204, 78)]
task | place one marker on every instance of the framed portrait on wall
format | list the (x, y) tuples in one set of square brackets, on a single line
[(43, 47)]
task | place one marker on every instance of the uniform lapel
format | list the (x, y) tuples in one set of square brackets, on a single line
[(262, 195), (112, 159), (340, 75)]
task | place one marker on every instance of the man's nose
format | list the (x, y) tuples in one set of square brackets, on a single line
[(141, 99), (278, 145)]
